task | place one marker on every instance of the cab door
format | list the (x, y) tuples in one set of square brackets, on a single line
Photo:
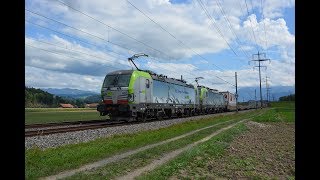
[(149, 89), (142, 90)]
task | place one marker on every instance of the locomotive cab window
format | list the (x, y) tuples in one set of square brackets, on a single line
[(121, 80), (147, 83)]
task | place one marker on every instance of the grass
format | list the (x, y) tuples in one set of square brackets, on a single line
[(57, 109), (192, 163), (196, 158), (61, 116), (281, 112), (53, 160), (143, 158)]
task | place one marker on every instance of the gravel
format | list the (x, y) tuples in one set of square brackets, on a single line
[(59, 139)]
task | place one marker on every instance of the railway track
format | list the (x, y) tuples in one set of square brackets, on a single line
[(53, 128), (63, 127), (29, 126)]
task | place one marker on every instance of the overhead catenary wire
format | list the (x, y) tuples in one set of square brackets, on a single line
[(90, 43), (132, 37), (60, 54), (231, 28), (102, 58), (85, 14), (215, 26), (264, 26), (82, 31), (181, 42), (72, 27), (255, 39)]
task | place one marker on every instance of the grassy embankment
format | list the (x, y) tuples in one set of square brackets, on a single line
[(197, 158), (51, 161)]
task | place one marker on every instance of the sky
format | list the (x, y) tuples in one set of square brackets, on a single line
[(74, 44)]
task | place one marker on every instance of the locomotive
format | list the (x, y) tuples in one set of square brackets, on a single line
[(142, 95)]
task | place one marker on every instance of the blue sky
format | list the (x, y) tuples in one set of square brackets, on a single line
[(188, 43)]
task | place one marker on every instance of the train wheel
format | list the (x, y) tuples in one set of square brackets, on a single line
[(159, 115), (142, 117)]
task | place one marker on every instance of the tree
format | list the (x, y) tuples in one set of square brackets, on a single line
[(290, 97)]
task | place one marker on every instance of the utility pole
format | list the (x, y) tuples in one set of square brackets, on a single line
[(267, 89), (255, 97), (236, 91), (259, 66)]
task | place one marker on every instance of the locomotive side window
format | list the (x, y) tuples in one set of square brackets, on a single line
[(147, 83)]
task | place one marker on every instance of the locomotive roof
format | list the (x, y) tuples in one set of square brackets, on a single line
[(155, 77), (120, 72), (170, 80)]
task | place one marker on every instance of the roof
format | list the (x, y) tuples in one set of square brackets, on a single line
[(92, 105), (66, 105), (121, 72)]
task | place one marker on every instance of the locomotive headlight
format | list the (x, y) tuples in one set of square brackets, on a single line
[(131, 97)]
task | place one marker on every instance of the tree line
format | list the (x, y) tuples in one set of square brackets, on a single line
[(290, 97), (37, 98)]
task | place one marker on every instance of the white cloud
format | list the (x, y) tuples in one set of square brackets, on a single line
[(187, 22), (275, 8), (40, 78), (62, 55)]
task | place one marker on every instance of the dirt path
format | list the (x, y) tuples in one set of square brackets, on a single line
[(118, 157), (172, 155), (265, 151)]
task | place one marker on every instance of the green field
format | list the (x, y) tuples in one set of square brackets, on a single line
[(50, 161), (49, 115), (197, 162), (280, 112)]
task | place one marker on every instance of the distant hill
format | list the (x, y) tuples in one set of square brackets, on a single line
[(247, 93), (39, 98), (70, 93)]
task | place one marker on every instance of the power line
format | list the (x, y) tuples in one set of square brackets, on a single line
[(83, 42), (125, 33), (251, 25), (83, 32), (264, 26), (98, 37), (213, 23), (230, 27), (181, 42), (260, 60), (113, 28), (74, 50), (52, 52)]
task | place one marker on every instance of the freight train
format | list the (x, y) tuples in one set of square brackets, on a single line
[(142, 95)]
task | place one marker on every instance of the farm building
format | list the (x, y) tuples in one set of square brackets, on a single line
[(66, 105), (92, 105)]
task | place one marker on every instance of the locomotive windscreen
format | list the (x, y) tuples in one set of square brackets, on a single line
[(117, 80)]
